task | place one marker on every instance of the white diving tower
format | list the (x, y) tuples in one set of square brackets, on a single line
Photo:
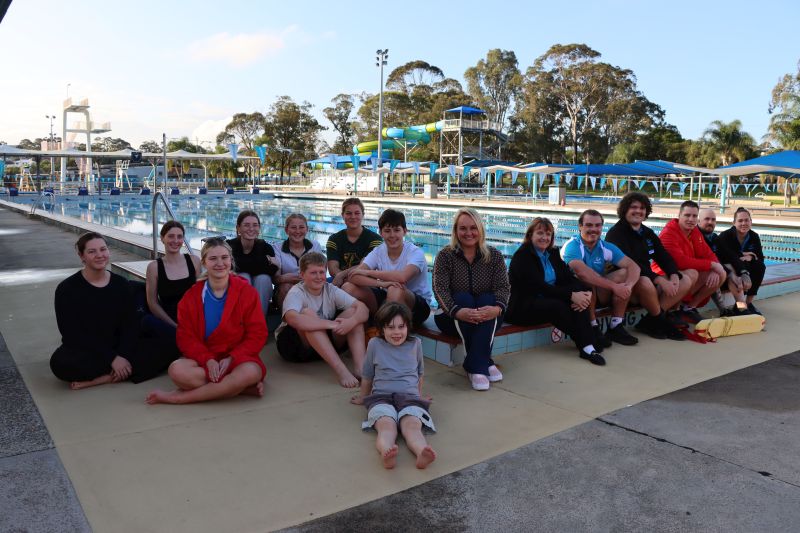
[(86, 127)]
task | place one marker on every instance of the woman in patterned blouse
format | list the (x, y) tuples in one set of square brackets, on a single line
[(470, 282)]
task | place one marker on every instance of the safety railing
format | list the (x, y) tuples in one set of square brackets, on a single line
[(42, 197), (159, 195)]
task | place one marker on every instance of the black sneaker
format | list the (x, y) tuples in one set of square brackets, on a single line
[(600, 340), (649, 326), (671, 331), (753, 309), (619, 335), (691, 314), (594, 358)]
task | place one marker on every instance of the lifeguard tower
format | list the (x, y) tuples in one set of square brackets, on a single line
[(87, 127), (468, 134)]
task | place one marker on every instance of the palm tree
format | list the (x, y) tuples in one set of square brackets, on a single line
[(729, 142)]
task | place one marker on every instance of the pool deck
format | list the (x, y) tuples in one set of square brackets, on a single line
[(668, 436)]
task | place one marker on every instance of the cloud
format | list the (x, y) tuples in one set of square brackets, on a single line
[(241, 49), (208, 130)]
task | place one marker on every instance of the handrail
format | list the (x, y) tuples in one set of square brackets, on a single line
[(156, 196), (41, 196)]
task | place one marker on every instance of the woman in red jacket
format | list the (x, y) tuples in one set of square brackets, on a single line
[(221, 330)]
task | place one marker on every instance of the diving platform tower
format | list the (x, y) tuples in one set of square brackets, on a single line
[(468, 134), (87, 127)]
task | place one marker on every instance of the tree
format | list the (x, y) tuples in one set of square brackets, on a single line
[(728, 142), (186, 145), (494, 82), (413, 74), (150, 147), (109, 144), (27, 144), (291, 133), (784, 126), (243, 129), (596, 104), (339, 116)]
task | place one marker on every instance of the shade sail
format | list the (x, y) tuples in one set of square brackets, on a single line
[(786, 163)]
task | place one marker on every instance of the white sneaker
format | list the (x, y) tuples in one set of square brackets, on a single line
[(495, 374), (479, 381)]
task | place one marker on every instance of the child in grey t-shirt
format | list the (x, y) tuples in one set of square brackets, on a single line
[(391, 387)]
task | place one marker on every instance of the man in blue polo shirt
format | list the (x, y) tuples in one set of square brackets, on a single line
[(610, 273)]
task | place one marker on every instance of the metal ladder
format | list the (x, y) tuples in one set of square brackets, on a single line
[(41, 197), (154, 206)]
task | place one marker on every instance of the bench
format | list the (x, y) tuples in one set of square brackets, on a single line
[(509, 338)]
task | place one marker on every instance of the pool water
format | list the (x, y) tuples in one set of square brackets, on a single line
[(429, 227)]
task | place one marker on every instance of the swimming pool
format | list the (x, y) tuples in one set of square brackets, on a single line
[(429, 227)]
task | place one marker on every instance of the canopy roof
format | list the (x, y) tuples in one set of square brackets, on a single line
[(786, 163), (466, 110), (8, 150), (610, 170)]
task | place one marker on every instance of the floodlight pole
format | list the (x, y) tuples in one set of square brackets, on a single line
[(381, 56), (164, 147), (50, 144)]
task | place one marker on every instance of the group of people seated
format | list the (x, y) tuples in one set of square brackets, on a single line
[(206, 319)]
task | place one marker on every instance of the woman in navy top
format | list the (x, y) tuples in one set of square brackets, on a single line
[(544, 290)]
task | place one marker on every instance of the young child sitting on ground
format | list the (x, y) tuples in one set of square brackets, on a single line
[(391, 387)]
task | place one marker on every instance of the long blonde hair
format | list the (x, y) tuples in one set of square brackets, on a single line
[(482, 248)]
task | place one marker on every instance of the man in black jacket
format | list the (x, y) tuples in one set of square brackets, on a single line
[(657, 294)]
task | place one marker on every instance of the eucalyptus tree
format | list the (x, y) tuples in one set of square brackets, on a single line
[(416, 73), (596, 105), (291, 133), (243, 129), (340, 117), (494, 83), (150, 146)]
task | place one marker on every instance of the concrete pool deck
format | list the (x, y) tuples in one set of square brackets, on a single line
[(297, 454)]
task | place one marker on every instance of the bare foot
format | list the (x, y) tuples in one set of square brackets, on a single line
[(160, 396), (426, 457), (389, 457), (255, 390), (347, 380), (101, 380)]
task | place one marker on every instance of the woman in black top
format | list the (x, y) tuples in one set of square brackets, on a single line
[(254, 258), (168, 278), (742, 246), (96, 316), (544, 290)]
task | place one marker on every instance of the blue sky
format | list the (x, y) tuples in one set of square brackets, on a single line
[(184, 67)]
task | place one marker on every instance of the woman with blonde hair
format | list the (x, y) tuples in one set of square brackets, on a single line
[(221, 331), (470, 283)]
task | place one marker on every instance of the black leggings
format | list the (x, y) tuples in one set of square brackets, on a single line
[(541, 310), (757, 270), (151, 357)]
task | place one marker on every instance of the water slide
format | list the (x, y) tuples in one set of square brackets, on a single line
[(420, 134)]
